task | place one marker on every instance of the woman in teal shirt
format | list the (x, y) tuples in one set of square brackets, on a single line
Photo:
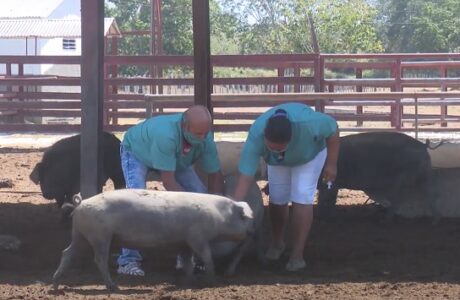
[(298, 144)]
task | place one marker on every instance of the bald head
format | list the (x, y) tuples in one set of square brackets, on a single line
[(197, 121), (198, 114)]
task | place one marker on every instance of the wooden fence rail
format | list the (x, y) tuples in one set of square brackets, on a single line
[(295, 77), (325, 102)]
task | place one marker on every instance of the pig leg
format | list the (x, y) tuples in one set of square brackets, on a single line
[(327, 198), (430, 187), (67, 256), (260, 249), (230, 271), (202, 249), (378, 196), (188, 265), (101, 250), (394, 197)]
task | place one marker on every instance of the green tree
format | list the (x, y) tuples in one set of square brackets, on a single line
[(177, 28), (346, 26), (226, 30), (265, 25), (255, 26), (281, 26), (132, 15), (419, 25)]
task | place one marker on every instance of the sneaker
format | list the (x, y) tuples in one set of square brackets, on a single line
[(179, 262), (274, 252), (294, 265), (198, 265), (131, 269)]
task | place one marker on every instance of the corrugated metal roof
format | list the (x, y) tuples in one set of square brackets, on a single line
[(27, 8), (46, 28)]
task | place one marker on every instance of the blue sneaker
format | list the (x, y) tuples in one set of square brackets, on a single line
[(131, 269)]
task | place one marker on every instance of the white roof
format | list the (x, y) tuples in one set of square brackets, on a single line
[(49, 28)]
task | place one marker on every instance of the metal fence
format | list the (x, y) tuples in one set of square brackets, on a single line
[(378, 89)]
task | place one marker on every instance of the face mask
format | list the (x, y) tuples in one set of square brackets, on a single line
[(279, 154), (278, 151), (192, 139)]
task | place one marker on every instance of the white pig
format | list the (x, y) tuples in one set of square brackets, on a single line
[(144, 218)]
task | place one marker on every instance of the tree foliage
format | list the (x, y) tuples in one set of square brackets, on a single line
[(177, 27), (346, 27), (281, 26), (419, 25), (132, 15)]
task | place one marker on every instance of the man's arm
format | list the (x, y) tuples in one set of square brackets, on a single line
[(330, 167), (216, 183), (169, 181), (242, 187), (248, 165)]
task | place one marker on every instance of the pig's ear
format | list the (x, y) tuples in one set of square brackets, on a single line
[(244, 211), (35, 175)]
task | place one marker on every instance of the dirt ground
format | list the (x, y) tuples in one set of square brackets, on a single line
[(354, 256)]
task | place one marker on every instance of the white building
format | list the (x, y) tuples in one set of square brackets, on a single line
[(46, 27)]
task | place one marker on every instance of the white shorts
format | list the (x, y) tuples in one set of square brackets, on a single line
[(295, 184)]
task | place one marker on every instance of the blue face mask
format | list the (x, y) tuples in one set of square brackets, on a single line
[(192, 139), (277, 151)]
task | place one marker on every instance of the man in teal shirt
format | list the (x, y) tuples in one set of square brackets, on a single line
[(298, 144), (170, 145)]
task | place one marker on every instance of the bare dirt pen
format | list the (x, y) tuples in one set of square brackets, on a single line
[(355, 256)]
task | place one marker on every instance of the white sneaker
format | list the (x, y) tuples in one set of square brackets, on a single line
[(295, 265), (179, 262), (274, 252), (198, 267)]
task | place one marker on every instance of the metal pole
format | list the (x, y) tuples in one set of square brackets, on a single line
[(202, 53), (416, 117), (92, 87)]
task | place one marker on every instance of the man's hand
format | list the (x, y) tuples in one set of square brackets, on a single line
[(216, 183), (169, 181), (329, 172)]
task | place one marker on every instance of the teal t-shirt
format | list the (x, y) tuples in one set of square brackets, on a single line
[(310, 130), (158, 143)]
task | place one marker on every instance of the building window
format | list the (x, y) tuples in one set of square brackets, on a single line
[(68, 44)]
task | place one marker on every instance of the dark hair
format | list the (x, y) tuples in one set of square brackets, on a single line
[(278, 129)]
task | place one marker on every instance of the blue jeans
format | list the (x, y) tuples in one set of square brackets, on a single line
[(135, 173)]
